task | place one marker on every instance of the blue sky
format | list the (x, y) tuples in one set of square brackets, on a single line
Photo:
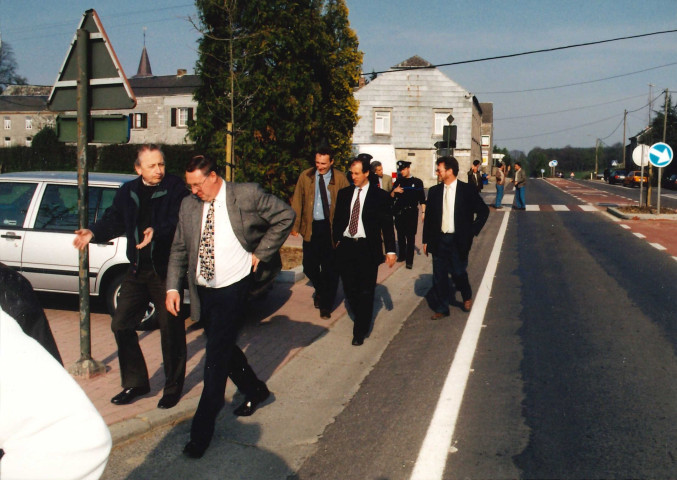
[(391, 31)]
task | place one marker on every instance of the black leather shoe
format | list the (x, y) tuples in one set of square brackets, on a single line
[(127, 395), (409, 266), (251, 403), (168, 400), (325, 313), (316, 301), (357, 341), (193, 450)]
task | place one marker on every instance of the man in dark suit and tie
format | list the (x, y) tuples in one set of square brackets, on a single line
[(226, 231), (363, 222), (455, 214)]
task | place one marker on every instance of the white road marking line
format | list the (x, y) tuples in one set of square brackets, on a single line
[(589, 208), (638, 235), (533, 208), (560, 208), (657, 246), (432, 457), (627, 227)]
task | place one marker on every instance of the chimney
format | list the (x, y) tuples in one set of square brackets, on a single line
[(181, 72)]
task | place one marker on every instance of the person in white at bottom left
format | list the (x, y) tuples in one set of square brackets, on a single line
[(48, 427)]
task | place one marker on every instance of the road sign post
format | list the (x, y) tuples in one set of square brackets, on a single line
[(91, 78), (640, 155), (660, 155)]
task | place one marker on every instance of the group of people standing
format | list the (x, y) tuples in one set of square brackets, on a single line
[(221, 235)]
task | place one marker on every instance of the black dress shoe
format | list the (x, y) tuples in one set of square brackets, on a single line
[(168, 400), (193, 450), (251, 403), (316, 301), (128, 394), (357, 341), (409, 266), (325, 313)]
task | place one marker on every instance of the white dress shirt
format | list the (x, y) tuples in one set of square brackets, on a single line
[(448, 206), (231, 261)]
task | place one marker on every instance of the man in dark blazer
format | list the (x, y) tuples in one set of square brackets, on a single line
[(455, 214), (226, 232), (363, 222), (145, 210)]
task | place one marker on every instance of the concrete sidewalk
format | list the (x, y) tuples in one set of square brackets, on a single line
[(277, 328)]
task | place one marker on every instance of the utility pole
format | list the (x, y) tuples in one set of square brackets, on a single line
[(625, 117)]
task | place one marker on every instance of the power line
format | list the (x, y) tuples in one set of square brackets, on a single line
[(530, 52), (570, 109), (580, 83)]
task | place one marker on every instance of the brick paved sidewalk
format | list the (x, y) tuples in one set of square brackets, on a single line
[(277, 328)]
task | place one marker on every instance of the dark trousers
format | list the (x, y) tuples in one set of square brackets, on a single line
[(448, 260), (319, 264), (135, 293), (358, 273), (406, 224), (223, 313)]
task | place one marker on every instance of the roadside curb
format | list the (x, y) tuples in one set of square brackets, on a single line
[(641, 216)]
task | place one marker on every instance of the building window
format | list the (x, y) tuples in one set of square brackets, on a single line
[(382, 122), (181, 116), (8, 123), (140, 120), (29, 123), (29, 141), (8, 142), (440, 122)]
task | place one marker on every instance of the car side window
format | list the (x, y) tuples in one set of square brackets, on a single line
[(15, 198), (107, 196), (59, 207)]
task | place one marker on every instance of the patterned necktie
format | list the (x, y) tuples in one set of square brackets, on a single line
[(207, 246), (355, 215)]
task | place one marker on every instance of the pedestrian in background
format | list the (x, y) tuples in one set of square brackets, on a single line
[(384, 181), (407, 193), (519, 181), (500, 185), (227, 232), (456, 213), (146, 211), (475, 176), (314, 203), (362, 225)]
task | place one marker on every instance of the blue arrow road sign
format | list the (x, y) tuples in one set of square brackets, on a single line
[(660, 154)]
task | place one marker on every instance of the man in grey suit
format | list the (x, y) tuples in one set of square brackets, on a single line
[(226, 231), (384, 181)]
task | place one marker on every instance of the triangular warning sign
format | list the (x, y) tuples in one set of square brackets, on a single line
[(108, 85)]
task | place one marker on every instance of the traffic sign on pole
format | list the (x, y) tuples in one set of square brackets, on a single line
[(660, 154), (640, 155), (108, 85)]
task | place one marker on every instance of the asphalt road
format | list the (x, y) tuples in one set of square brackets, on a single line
[(573, 375)]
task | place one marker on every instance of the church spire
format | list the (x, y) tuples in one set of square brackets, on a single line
[(144, 64)]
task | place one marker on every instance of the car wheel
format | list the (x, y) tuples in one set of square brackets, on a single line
[(147, 320)]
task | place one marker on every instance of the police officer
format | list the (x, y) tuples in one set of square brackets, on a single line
[(407, 194)]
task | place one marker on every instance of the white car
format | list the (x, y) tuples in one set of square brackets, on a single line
[(38, 218)]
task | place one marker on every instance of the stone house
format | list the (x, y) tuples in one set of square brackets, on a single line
[(405, 110), (164, 107), (24, 113)]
